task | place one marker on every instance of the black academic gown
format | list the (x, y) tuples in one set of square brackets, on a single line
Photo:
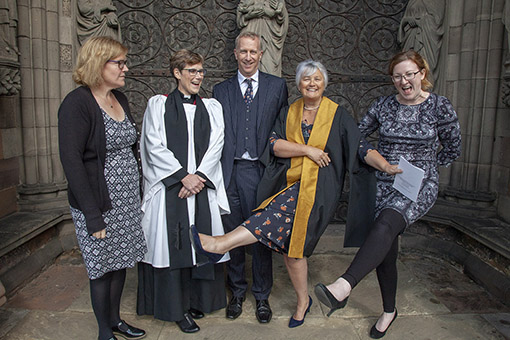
[(342, 146)]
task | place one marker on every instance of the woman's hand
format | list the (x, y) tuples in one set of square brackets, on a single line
[(391, 169), (192, 185), (374, 159), (320, 157), (100, 234)]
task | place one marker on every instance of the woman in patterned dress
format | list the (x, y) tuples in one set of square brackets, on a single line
[(314, 142), (98, 148), (421, 127)]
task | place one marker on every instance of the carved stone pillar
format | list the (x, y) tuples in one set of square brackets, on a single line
[(44, 79), (473, 73), (10, 130)]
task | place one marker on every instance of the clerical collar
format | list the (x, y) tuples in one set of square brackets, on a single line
[(188, 99)]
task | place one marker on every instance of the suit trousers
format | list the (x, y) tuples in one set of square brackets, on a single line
[(242, 193)]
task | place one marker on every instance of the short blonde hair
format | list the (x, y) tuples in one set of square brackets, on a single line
[(92, 57)]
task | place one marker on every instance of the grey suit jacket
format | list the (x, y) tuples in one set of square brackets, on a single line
[(273, 96)]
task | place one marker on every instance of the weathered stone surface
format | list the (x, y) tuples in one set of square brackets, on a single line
[(7, 202), (423, 314)]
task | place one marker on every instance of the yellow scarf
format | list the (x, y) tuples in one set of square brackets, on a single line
[(303, 168)]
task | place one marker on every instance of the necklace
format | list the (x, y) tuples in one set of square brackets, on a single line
[(311, 108), (104, 100)]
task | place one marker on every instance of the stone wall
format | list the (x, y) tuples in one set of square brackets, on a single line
[(45, 47), (473, 56)]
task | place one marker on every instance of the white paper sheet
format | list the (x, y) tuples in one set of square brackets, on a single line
[(409, 181)]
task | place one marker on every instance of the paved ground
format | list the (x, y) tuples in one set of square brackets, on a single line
[(435, 301)]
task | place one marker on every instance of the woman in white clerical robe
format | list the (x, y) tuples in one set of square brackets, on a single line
[(181, 146)]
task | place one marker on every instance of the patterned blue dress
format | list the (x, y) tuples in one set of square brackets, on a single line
[(124, 244), (427, 135)]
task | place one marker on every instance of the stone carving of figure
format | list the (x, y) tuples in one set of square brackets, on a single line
[(506, 21), (97, 17), (505, 86), (421, 29), (270, 20), (10, 81)]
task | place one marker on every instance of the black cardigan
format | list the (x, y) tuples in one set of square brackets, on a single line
[(82, 144)]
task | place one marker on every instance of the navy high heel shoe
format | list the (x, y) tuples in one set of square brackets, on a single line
[(325, 296), (195, 239), (376, 334), (293, 322)]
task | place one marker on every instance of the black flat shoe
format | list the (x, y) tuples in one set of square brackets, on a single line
[(376, 334), (235, 307), (127, 331), (325, 296), (295, 323), (263, 312), (195, 313), (195, 239), (188, 325)]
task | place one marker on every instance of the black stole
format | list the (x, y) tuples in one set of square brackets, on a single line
[(176, 208)]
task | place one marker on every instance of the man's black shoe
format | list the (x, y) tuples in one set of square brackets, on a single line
[(235, 307), (188, 325), (263, 311), (195, 313)]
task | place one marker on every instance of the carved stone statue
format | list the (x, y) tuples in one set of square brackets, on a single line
[(421, 29), (97, 17), (10, 81), (270, 20), (505, 87)]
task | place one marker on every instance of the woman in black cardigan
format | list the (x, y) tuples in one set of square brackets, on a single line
[(98, 143)]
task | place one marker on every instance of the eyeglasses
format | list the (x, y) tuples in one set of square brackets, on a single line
[(193, 71), (408, 76), (120, 63)]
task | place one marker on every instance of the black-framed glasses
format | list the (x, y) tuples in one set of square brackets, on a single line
[(408, 76), (193, 71), (120, 63)]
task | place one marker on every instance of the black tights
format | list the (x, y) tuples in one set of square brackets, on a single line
[(380, 252), (105, 293)]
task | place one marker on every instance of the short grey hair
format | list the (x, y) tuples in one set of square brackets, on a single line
[(307, 68)]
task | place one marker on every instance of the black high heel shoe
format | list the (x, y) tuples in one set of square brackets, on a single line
[(195, 239), (325, 296), (293, 322), (376, 334)]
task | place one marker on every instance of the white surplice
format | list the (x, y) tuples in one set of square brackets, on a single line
[(159, 162)]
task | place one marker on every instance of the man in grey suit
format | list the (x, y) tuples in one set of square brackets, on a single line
[(251, 102)]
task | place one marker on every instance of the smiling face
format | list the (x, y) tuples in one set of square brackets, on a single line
[(248, 55), (189, 84), (113, 76), (312, 86), (409, 90)]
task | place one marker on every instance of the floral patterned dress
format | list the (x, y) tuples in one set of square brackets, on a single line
[(427, 135), (273, 225), (124, 244)]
